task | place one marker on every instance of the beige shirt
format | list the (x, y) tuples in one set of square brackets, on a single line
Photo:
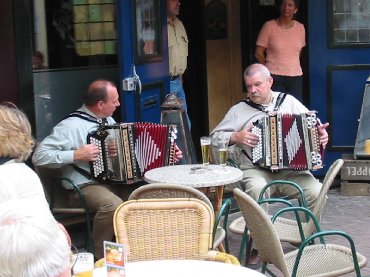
[(177, 47)]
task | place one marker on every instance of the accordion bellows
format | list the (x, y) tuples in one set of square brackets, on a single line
[(128, 150), (287, 141)]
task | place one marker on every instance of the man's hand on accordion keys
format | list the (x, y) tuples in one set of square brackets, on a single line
[(178, 153), (87, 153), (245, 137), (323, 134)]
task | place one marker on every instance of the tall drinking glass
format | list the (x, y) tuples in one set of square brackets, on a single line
[(205, 144), (223, 152), (83, 265)]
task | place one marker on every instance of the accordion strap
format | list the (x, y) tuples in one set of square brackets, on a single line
[(83, 172), (88, 117), (280, 99)]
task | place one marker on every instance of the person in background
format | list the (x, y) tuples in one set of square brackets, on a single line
[(66, 148), (38, 61), (177, 52), (17, 180), (236, 129), (279, 46), (34, 245)]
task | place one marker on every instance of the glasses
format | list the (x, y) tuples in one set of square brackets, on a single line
[(223, 151), (205, 144)]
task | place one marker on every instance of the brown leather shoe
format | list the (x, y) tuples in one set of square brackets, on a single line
[(254, 261)]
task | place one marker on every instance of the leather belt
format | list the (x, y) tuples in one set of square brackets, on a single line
[(174, 77)]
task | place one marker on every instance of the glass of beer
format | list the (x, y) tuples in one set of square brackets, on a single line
[(83, 265), (205, 144), (223, 151)]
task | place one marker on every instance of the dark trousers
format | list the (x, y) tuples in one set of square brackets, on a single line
[(292, 85)]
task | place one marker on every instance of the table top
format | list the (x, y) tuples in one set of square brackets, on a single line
[(195, 175), (182, 268)]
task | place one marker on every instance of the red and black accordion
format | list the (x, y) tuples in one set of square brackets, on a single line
[(128, 150), (288, 141)]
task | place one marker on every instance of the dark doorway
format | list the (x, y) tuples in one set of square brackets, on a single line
[(195, 77), (253, 16)]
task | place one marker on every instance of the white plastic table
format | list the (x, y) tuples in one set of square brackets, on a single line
[(197, 176), (182, 268)]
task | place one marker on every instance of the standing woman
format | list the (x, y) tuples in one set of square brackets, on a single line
[(279, 46)]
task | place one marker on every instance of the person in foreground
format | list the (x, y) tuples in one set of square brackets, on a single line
[(236, 128), (66, 147), (33, 243), (17, 180)]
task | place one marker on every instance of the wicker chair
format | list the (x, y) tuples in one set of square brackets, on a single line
[(288, 229), (162, 190), (168, 228), (318, 259)]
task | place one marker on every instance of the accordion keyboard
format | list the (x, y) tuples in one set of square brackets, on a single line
[(258, 149), (99, 163)]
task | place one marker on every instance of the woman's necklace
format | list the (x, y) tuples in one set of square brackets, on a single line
[(285, 25)]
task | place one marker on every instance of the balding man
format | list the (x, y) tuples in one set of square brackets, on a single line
[(66, 148)]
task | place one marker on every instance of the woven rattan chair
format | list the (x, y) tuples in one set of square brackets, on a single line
[(169, 228), (287, 229), (162, 190), (310, 259)]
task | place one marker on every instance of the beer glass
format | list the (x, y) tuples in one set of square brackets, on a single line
[(205, 144), (83, 265), (223, 151)]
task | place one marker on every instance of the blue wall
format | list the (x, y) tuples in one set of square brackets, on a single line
[(337, 80)]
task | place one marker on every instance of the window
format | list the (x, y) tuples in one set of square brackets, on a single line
[(349, 23), (94, 24)]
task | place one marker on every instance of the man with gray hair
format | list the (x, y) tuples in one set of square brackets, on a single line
[(236, 129), (36, 245)]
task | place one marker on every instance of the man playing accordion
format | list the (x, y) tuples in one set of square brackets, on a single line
[(67, 148), (237, 125)]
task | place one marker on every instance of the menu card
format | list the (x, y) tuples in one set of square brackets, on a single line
[(115, 258)]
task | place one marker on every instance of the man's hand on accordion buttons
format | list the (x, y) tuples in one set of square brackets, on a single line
[(87, 153), (178, 153), (245, 137), (323, 134)]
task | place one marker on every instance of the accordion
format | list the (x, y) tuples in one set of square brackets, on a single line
[(128, 150), (287, 141)]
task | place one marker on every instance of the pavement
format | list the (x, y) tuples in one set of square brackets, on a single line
[(346, 213)]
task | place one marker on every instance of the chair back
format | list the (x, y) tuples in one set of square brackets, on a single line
[(163, 190), (327, 182), (154, 229), (262, 231)]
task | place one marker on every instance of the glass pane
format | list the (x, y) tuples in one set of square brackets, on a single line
[(74, 33)]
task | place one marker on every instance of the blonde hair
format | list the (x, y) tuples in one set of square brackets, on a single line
[(15, 133)]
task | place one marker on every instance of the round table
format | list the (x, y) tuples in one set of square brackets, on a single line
[(182, 268), (197, 176)]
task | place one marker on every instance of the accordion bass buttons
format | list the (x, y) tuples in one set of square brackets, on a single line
[(311, 120)]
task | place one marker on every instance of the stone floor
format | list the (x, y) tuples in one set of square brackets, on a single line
[(347, 213)]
